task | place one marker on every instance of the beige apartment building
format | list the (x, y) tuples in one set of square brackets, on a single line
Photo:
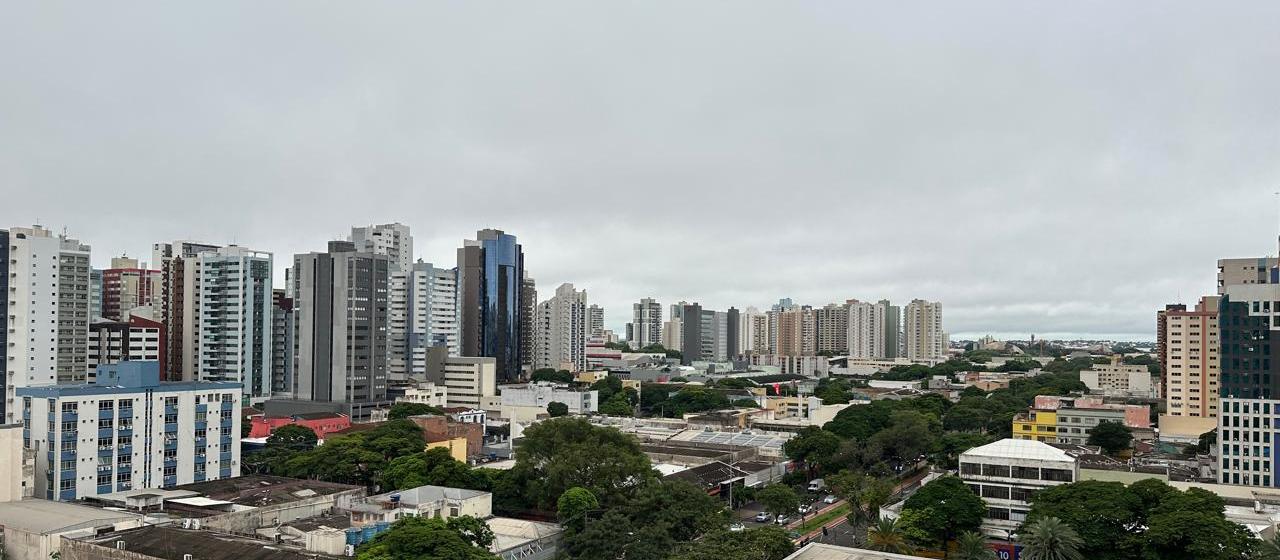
[(1189, 359)]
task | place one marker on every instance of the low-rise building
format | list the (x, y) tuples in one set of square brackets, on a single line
[(423, 501), (444, 431), (322, 423), (819, 551), (161, 542), (17, 465), (426, 393), (1007, 473), (1072, 419), (540, 394), (33, 529), (1120, 380)]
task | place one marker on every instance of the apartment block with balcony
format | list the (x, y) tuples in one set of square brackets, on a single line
[(235, 310), (127, 430)]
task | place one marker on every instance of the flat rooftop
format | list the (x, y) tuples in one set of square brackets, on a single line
[(263, 490), (818, 551), (171, 543), (44, 516)]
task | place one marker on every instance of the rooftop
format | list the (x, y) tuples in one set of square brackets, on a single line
[(510, 533), (1019, 449), (709, 475), (171, 543), (44, 516), (818, 551), (228, 494), (428, 494)]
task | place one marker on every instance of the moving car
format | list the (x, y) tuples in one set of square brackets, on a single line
[(805, 508), (763, 517), (782, 519), (830, 499)]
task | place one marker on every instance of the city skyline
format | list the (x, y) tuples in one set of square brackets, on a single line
[(1031, 176)]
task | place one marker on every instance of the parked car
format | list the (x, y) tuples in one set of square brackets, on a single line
[(782, 519), (805, 508), (737, 527), (763, 517), (830, 499)]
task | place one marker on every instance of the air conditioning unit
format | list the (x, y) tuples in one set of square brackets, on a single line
[(120, 545)]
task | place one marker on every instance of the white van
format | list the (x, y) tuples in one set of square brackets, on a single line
[(817, 485)]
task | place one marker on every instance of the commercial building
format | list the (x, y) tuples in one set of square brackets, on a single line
[(923, 336), (128, 430), (340, 328), (427, 393), (424, 501), (645, 327), (179, 309), (235, 306), (491, 304), (135, 339), (128, 285), (528, 301), (540, 394), (95, 286), (34, 529), (1007, 473), (1119, 380), (1070, 420), (819, 551), (48, 328), (1244, 272), (1188, 352), (468, 381), (322, 423), (560, 330), (703, 333)]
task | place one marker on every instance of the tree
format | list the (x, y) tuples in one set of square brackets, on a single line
[(435, 467), (887, 536), (1048, 538), (657, 517), (420, 538), (952, 444), (292, 437), (561, 453), (355, 458), (607, 387), (811, 445), (617, 405), (745, 403), (779, 499), (909, 436), (405, 410), (551, 375), (573, 506), (557, 409), (971, 545), (1100, 512), (763, 543), (1111, 436), (866, 493), (696, 399), (952, 508)]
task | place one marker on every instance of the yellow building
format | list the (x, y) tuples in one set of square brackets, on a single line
[(590, 376), (1038, 425), (457, 447)]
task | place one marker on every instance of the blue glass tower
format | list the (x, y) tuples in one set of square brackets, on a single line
[(490, 306)]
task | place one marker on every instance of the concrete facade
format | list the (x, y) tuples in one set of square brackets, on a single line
[(1189, 358), (560, 330)]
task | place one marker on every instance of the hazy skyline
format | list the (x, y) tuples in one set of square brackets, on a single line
[(1037, 167)]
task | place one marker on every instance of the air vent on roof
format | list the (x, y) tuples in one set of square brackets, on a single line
[(120, 545)]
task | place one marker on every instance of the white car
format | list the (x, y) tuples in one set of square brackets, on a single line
[(737, 527), (830, 499), (782, 519), (763, 517), (805, 509)]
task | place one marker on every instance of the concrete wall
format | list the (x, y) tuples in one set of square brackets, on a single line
[(249, 521)]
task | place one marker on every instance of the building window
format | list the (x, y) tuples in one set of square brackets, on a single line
[(970, 468), (995, 470), (1056, 475)]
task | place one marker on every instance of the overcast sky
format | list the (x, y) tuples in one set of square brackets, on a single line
[(1046, 167)]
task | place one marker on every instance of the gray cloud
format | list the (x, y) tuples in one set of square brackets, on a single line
[(1038, 167)]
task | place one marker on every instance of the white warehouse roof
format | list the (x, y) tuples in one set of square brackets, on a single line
[(1019, 449)]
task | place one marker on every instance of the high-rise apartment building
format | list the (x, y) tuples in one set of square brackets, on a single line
[(923, 336), (832, 323), (10, 323), (281, 343), (560, 330), (893, 343), (755, 334), (1187, 344), (95, 293), (179, 309), (432, 316), (128, 285), (48, 311), (645, 327), (866, 330), (491, 306), (795, 331), (673, 334), (595, 321), (1242, 272), (234, 307), (528, 301), (392, 240), (128, 431), (340, 328)]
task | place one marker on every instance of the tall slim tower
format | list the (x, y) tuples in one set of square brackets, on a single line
[(179, 301), (924, 337), (235, 308), (392, 240), (340, 328), (645, 327), (560, 330), (491, 308)]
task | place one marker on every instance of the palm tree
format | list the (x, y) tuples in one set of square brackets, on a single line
[(1048, 538), (887, 536), (973, 546)]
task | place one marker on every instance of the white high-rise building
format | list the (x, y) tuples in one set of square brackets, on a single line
[(560, 331), (48, 311), (432, 315), (924, 338), (392, 240), (595, 321), (233, 341), (179, 309), (756, 337), (128, 431), (645, 327), (867, 328)]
